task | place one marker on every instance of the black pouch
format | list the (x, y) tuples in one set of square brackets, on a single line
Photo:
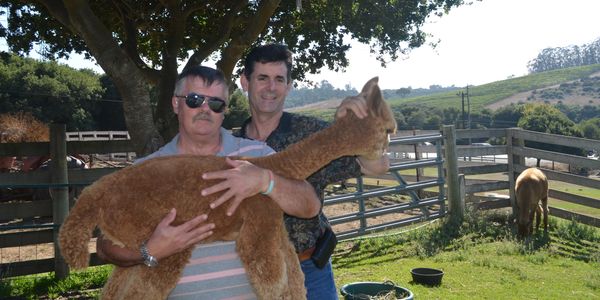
[(324, 248)]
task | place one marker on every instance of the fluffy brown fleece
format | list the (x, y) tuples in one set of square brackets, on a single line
[(531, 187), (128, 204)]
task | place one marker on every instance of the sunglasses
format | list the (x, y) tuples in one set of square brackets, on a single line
[(193, 100)]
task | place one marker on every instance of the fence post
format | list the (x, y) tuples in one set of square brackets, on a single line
[(455, 203), (60, 194), (513, 159), (462, 188)]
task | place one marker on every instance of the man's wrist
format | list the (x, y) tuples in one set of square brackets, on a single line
[(147, 258), (271, 185)]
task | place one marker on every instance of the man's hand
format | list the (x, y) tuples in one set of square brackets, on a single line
[(167, 240), (357, 104), (242, 181)]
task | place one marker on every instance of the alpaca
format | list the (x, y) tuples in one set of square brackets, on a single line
[(128, 204), (531, 187)]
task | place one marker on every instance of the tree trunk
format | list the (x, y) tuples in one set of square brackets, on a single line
[(127, 76)]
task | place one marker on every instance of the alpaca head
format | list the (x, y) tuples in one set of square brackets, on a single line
[(378, 126)]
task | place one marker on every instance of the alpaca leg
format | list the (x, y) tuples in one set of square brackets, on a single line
[(538, 217), (259, 249), (141, 282), (545, 210), (530, 219), (296, 289)]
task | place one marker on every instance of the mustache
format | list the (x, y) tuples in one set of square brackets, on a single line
[(202, 116)]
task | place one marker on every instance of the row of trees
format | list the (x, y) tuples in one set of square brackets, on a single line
[(81, 99), (542, 117), (565, 57), (140, 45), (325, 91)]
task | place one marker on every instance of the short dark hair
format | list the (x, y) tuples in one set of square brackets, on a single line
[(209, 75), (266, 54)]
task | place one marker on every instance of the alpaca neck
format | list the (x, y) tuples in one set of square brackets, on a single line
[(300, 160)]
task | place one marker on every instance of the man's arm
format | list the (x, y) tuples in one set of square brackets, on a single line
[(166, 240), (295, 197)]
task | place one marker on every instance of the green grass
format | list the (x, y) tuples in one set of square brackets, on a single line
[(481, 260), (45, 286), (480, 257), (481, 254)]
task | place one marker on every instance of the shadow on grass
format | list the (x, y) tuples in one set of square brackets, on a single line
[(570, 239)]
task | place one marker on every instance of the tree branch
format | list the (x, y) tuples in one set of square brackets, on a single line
[(248, 34), (216, 40), (58, 11)]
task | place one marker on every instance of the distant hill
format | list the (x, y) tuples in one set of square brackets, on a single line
[(576, 85), (324, 95), (387, 94), (570, 86)]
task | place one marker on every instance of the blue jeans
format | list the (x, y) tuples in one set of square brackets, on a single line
[(319, 283)]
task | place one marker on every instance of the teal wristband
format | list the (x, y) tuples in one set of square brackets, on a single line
[(271, 184)]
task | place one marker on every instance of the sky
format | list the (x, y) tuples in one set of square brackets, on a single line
[(487, 41), (481, 43)]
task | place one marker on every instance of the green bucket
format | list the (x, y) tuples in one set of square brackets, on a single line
[(368, 290)]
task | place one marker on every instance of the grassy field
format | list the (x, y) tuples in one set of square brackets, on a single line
[(480, 257), (481, 260)]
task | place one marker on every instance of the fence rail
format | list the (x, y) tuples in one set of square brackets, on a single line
[(30, 223), (516, 155)]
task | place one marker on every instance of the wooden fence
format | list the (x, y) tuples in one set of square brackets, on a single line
[(511, 158), (26, 224)]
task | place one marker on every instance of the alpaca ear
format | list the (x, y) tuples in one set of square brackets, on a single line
[(372, 93)]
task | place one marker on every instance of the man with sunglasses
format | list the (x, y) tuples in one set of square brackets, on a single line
[(215, 271), (267, 79)]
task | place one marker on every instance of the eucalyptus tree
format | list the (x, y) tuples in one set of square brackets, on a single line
[(141, 44)]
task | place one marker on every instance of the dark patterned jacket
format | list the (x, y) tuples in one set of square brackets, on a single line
[(293, 128)]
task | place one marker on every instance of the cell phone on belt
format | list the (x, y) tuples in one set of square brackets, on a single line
[(324, 248)]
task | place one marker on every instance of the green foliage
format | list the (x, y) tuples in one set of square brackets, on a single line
[(548, 119), (563, 57), (590, 128), (109, 114), (141, 44), (322, 91), (49, 91), (238, 110), (35, 286)]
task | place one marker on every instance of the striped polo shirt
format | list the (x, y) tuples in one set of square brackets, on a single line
[(215, 270)]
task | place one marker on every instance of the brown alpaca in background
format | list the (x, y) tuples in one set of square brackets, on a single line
[(128, 204), (531, 187)]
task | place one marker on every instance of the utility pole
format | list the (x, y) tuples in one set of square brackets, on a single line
[(466, 116), (462, 96), (468, 110)]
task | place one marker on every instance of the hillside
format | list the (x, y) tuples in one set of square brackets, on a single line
[(575, 86), (585, 91)]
